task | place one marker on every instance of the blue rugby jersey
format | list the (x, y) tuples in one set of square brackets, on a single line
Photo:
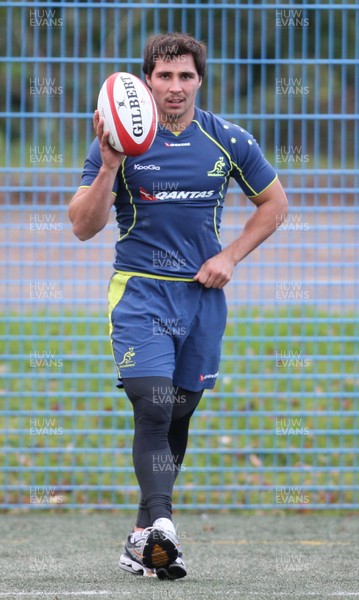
[(169, 200)]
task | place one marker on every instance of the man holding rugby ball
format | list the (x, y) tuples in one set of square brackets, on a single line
[(167, 304)]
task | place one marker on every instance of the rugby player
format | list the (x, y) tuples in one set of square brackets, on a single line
[(166, 299)]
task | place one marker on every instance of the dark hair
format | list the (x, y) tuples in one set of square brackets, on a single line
[(174, 44)]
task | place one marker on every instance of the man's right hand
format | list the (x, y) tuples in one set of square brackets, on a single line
[(111, 158)]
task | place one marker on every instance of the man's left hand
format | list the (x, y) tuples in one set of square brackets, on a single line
[(216, 272)]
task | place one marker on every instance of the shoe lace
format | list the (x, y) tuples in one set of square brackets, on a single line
[(147, 530), (143, 533)]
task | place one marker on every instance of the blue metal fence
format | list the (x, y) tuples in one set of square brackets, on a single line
[(281, 428)]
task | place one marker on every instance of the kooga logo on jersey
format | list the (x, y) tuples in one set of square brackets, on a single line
[(138, 167)]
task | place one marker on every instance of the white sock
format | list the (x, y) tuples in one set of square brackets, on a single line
[(163, 523)]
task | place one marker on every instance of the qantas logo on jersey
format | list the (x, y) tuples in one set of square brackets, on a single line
[(174, 195), (144, 195)]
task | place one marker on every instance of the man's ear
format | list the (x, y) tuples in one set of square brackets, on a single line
[(200, 82), (148, 81)]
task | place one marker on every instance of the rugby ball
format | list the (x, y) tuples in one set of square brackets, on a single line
[(129, 111)]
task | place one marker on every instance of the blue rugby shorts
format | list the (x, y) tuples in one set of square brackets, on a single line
[(166, 327)]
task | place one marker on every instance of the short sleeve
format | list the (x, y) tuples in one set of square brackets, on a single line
[(251, 170), (92, 166)]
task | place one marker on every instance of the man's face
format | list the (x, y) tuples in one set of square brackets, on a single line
[(174, 83)]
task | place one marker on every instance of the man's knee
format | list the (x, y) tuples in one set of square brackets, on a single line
[(186, 404), (151, 407)]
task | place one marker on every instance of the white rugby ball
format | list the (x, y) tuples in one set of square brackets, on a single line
[(129, 111)]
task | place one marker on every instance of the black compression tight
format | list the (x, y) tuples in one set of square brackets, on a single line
[(162, 415)]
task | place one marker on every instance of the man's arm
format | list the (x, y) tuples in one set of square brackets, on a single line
[(272, 208), (89, 209)]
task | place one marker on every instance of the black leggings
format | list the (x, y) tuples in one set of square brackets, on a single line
[(162, 414)]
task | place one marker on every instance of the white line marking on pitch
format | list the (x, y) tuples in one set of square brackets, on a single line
[(115, 593), (330, 594), (54, 594), (273, 542)]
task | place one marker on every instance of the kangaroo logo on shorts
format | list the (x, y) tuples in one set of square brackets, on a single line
[(127, 359)]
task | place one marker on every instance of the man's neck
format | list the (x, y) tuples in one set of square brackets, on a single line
[(176, 124)]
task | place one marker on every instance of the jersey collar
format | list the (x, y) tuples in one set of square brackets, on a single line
[(164, 132)]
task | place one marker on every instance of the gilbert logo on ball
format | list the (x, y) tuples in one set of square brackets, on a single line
[(128, 108)]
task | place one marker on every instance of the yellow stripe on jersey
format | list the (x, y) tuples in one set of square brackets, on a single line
[(152, 276), (264, 189), (234, 164), (226, 177), (116, 290), (214, 141), (121, 237)]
